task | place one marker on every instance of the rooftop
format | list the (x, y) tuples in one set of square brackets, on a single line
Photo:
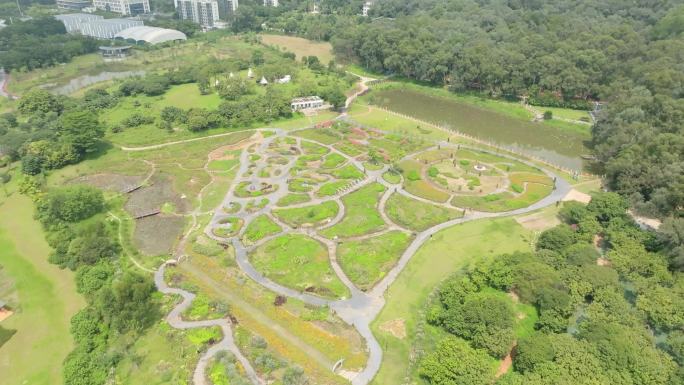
[(152, 35), (307, 99)]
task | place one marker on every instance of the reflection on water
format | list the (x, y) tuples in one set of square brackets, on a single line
[(88, 80), (550, 143)]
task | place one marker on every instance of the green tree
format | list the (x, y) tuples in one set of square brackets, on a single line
[(69, 204), (82, 130), (454, 362), (39, 101)]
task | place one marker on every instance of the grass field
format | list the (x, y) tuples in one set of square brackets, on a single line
[(299, 262), (331, 188), (261, 227), (47, 299), (361, 215), (308, 215), (504, 201), (293, 199), (300, 46), (566, 113), (447, 252), (417, 215), (163, 355), (366, 262), (414, 184)]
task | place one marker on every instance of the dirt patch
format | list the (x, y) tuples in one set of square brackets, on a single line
[(603, 261), (4, 314), (514, 296), (504, 365), (110, 182), (396, 327), (156, 235), (537, 221), (151, 198), (578, 196), (223, 152)]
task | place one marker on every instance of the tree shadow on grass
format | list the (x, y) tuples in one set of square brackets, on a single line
[(5, 335)]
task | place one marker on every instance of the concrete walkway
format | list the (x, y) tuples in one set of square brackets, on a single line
[(361, 308)]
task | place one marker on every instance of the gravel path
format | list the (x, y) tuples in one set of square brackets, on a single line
[(362, 307)]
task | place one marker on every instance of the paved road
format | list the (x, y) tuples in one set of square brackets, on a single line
[(361, 308)]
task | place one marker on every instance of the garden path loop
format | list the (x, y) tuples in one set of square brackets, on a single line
[(362, 307), (174, 319)]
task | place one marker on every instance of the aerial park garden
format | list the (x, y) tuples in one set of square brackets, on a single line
[(263, 245)]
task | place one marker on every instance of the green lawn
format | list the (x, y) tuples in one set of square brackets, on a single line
[(293, 199), (414, 184), (331, 188), (391, 178), (361, 215), (447, 252), (188, 96), (322, 135), (417, 215), (366, 262), (347, 172), (261, 227), (504, 201), (333, 160), (299, 262), (308, 215), (162, 355), (47, 299), (566, 113)]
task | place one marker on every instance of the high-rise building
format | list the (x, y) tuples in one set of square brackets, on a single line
[(123, 7), (75, 5), (202, 12), (227, 8), (271, 3)]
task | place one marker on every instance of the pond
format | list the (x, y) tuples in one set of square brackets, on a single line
[(88, 80), (555, 145)]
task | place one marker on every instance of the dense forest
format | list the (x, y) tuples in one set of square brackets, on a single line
[(607, 310), (629, 55), (121, 304), (40, 43)]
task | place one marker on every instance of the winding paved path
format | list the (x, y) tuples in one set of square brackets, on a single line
[(361, 308)]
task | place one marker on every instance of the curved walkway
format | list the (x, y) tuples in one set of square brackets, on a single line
[(227, 343), (362, 307)]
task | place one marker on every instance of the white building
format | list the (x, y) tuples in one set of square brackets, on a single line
[(96, 26), (123, 7), (271, 3), (366, 7), (202, 12), (307, 102), (151, 35)]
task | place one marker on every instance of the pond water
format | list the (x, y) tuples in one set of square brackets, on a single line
[(88, 80), (555, 145)]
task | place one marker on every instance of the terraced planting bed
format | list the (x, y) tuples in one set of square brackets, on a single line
[(298, 262), (313, 215), (366, 261), (361, 214), (416, 215)]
